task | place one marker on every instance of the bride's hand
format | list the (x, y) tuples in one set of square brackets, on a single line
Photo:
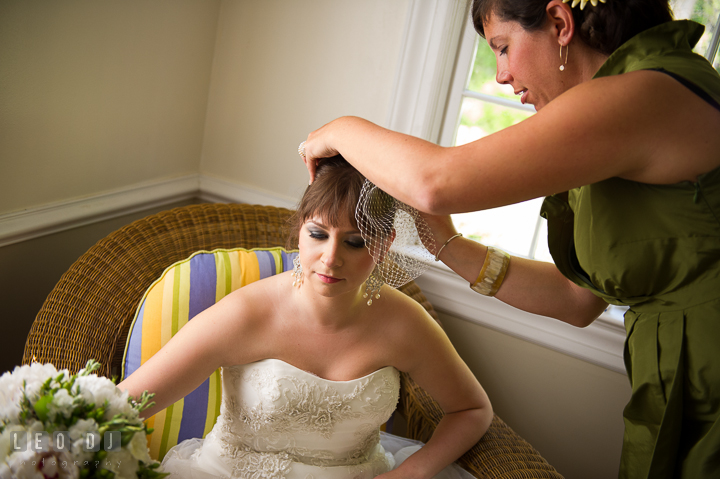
[(319, 146)]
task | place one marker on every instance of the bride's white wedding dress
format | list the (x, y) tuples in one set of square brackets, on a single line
[(278, 421)]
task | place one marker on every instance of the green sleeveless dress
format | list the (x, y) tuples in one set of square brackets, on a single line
[(656, 249)]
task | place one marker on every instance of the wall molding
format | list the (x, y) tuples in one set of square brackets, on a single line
[(55, 217), (601, 343), (52, 218)]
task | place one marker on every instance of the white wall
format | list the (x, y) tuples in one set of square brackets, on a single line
[(568, 409), (97, 96), (284, 68)]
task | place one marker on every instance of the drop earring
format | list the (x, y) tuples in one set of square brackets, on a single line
[(373, 285), (297, 272), (567, 52)]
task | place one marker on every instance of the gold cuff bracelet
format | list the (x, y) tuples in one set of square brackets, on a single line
[(492, 272)]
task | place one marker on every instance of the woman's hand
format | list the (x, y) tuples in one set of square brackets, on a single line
[(318, 146)]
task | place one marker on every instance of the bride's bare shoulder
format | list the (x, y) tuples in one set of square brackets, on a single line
[(404, 310), (249, 317), (256, 302)]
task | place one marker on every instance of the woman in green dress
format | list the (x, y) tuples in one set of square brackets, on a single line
[(625, 147)]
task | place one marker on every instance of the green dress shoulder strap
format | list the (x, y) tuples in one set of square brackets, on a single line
[(667, 48)]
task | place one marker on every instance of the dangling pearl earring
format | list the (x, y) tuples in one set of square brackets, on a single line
[(567, 52), (372, 286), (297, 272)]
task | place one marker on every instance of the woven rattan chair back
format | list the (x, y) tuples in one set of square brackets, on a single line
[(89, 312)]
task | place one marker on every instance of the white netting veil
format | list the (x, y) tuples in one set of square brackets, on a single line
[(396, 235)]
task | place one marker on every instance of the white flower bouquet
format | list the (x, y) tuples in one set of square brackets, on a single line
[(57, 425)]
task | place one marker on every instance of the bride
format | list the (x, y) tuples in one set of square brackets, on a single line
[(310, 368)]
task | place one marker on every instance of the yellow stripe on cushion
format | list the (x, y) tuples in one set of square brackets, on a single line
[(214, 401), (248, 269), (168, 311), (175, 301), (171, 429), (150, 423), (235, 272), (277, 256), (224, 275), (157, 435), (151, 340), (183, 288)]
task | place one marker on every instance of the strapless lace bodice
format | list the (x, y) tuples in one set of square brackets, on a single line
[(274, 408), (279, 421)]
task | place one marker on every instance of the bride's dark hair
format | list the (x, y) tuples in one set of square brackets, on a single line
[(333, 196)]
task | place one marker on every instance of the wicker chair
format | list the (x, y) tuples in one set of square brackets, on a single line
[(88, 313)]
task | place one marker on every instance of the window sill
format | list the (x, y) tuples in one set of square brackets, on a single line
[(601, 343)]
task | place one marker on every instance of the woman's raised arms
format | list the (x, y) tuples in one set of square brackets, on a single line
[(629, 126), (533, 286)]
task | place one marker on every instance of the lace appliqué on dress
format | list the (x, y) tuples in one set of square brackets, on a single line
[(262, 437)]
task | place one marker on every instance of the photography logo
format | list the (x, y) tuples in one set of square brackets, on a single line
[(61, 441)]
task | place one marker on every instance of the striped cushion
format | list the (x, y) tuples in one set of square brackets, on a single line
[(185, 289)]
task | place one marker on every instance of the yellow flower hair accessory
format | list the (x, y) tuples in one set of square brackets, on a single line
[(583, 3)]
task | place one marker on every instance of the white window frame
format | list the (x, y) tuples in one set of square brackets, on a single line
[(431, 48)]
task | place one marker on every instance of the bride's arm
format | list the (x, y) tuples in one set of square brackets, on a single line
[(207, 342), (425, 352)]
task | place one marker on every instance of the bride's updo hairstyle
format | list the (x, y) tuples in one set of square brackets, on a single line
[(333, 196), (603, 28)]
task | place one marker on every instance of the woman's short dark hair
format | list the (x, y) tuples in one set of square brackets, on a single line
[(333, 196), (604, 28)]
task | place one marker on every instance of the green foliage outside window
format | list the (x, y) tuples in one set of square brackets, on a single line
[(489, 117)]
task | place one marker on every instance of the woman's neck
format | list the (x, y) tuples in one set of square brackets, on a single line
[(589, 61)]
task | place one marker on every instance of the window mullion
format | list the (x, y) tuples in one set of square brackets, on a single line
[(713, 47), (498, 100), (536, 237)]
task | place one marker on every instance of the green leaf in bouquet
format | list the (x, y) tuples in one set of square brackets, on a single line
[(90, 367), (41, 407), (150, 472)]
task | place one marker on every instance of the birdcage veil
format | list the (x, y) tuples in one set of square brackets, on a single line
[(397, 237)]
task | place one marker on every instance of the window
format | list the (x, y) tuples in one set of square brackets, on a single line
[(478, 106), (446, 93), (706, 12)]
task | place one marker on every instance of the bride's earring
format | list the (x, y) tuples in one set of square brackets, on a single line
[(373, 285), (297, 272)]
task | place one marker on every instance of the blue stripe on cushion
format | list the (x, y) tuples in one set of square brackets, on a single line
[(266, 263), (194, 412), (288, 260), (134, 350), (202, 283)]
